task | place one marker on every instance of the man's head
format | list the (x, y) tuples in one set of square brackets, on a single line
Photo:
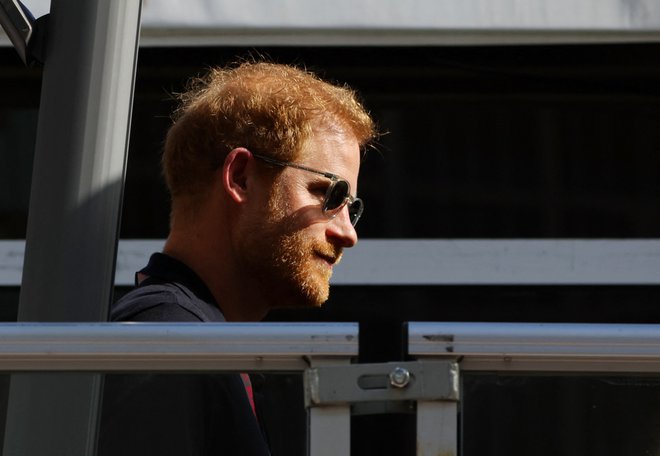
[(267, 108), (280, 150)]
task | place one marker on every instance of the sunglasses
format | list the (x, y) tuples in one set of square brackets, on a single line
[(337, 196)]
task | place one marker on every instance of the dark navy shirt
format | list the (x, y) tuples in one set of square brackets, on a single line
[(172, 292), (175, 414)]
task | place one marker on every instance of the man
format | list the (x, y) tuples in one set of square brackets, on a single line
[(262, 165)]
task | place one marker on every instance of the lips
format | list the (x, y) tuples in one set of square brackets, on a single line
[(327, 258), (328, 253)]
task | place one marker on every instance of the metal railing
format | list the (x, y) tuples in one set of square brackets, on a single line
[(324, 351), (212, 347), (440, 262), (524, 347)]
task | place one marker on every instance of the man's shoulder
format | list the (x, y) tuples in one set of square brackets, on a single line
[(163, 301)]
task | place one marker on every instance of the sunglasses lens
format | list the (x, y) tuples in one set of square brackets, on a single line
[(336, 196), (355, 210)]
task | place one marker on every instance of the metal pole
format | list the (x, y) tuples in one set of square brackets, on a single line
[(437, 428), (330, 431), (75, 203), (329, 427)]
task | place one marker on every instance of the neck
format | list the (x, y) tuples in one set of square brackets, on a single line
[(213, 260)]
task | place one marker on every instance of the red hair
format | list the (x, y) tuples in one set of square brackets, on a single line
[(267, 108)]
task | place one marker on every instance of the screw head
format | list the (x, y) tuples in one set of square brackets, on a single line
[(399, 377)]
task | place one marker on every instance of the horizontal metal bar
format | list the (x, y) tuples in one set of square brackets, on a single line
[(159, 36), (100, 347), (539, 347), (419, 22), (402, 14), (442, 262), (501, 262)]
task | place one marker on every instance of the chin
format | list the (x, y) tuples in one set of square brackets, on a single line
[(309, 295), (309, 286), (318, 291), (316, 298)]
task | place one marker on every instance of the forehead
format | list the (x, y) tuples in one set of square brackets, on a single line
[(334, 152)]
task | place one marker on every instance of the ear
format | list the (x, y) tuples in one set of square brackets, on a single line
[(236, 174)]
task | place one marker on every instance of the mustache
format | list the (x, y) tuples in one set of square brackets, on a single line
[(329, 251)]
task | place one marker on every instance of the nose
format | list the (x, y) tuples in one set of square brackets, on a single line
[(340, 231)]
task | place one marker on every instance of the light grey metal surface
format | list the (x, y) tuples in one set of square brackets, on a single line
[(399, 22), (329, 427), (441, 262), (540, 347), (432, 384), (501, 262), (11, 262), (75, 201), (18, 24), (330, 431), (82, 138), (437, 428), (394, 22), (164, 347), (333, 385)]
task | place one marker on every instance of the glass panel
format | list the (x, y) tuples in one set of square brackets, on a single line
[(564, 415)]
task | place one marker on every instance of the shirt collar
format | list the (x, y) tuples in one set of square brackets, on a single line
[(164, 267)]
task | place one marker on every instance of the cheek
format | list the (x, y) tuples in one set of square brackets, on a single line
[(277, 207), (292, 211), (279, 197)]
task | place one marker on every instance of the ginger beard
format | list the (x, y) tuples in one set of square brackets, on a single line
[(286, 259), (298, 261)]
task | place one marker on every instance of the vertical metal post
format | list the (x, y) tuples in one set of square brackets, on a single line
[(329, 429), (437, 428), (75, 201)]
